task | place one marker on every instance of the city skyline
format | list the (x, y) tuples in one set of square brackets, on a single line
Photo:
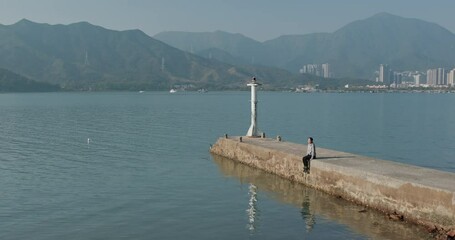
[(433, 77), (321, 70), (260, 20)]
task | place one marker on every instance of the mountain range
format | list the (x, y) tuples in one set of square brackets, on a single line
[(353, 51), (85, 56), (82, 56)]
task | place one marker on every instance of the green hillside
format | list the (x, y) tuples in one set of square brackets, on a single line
[(12, 82), (238, 45), (83, 56)]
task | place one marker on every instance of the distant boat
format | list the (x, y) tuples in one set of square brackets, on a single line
[(172, 91), (141, 91), (202, 90)]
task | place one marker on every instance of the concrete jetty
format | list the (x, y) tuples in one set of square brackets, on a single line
[(315, 205), (405, 192)]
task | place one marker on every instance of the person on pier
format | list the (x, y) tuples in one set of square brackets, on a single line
[(310, 155)]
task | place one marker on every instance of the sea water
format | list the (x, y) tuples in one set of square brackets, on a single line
[(136, 165)]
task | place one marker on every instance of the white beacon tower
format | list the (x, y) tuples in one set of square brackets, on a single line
[(253, 131)]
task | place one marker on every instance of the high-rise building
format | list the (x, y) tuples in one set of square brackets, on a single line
[(384, 74), (326, 70), (437, 77), (417, 79), (441, 78), (432, 77), (451, 78), (397, 78), (311, 69), (322, 70), (381, 73)]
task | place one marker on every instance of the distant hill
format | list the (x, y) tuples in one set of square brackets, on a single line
[(354, 51), (232, 48), (222, 56), (12, 82), (236, 45), (84, 56)]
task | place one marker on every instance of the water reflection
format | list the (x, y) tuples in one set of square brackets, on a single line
[(305, 211), (252, 210), (314, 204)]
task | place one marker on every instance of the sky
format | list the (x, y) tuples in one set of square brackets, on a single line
[(259, 19)]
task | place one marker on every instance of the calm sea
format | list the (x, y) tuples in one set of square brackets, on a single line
[(146, 172)]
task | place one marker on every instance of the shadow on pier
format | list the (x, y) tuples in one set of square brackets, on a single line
[(312, 203)]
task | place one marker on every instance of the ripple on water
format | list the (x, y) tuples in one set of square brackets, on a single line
[(146, 172)]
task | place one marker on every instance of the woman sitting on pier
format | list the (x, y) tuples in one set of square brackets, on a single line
[(310, 155)]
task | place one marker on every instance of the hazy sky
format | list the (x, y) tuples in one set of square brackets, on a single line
[(259, 19)]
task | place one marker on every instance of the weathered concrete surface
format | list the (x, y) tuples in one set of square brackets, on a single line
[(313, 204), (421, 195)]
